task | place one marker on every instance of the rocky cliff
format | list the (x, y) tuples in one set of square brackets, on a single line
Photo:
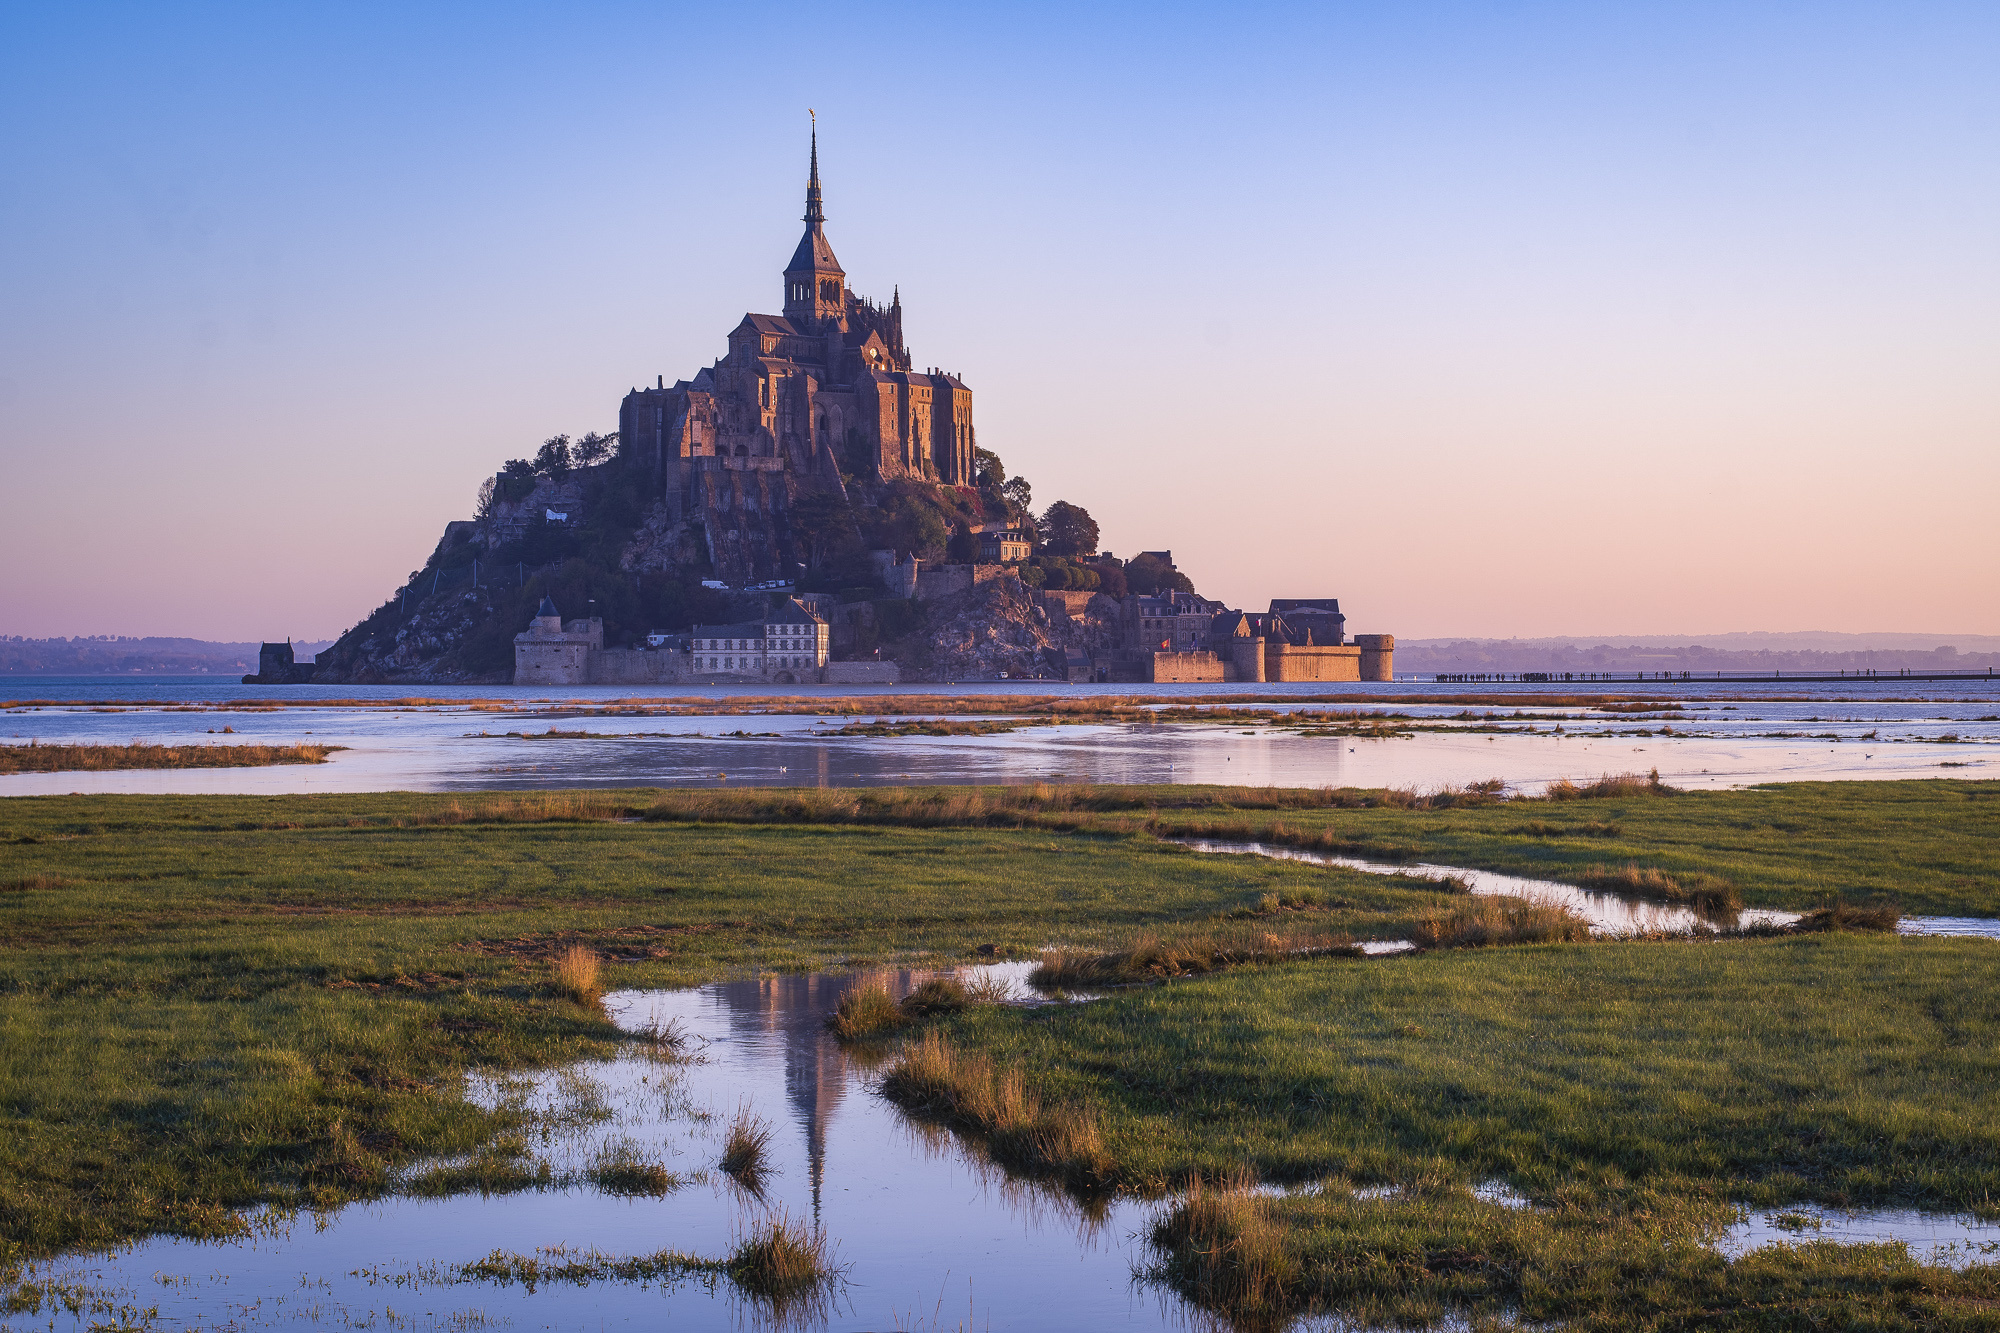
[(596, 540)]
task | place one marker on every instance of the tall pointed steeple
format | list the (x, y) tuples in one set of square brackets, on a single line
[(815, 283), (815, 214)]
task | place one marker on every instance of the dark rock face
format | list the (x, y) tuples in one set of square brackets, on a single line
[(996, 627)]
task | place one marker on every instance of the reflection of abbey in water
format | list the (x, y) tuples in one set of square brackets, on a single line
[(793, 1009)]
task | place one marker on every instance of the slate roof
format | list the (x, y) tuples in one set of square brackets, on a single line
[(814, 255), (742, 629)]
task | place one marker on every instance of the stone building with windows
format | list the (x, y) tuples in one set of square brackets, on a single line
[(825, 388), (1171, 622), (791, 647), (1248, 648), (552, 651), (1002, 543)]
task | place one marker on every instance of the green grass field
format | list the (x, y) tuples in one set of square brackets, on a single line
[(212, 1002), (1931, 847), (1632, 1090)]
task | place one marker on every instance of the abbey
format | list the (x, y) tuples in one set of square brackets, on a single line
[(825, 388)]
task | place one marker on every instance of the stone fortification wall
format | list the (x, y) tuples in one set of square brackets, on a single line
[(1378, 656), (555, 662), (950, 580), (861, 673), (1287, 662), (902, 580), (1065, 601), (634, 666), (1188, 669)]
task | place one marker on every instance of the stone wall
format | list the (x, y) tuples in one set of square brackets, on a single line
[(950, 580), (1065, 601), (1378, 656), (1188, 669), (634, 666), (552, 662), (1286, 661), (900, 580)]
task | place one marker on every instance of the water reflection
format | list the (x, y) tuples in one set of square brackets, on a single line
[(1608, 913), (1933, 1238), (441, 747), (927, 1228)]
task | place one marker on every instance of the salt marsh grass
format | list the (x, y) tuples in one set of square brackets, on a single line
[(1154, 957), (867, 1011), (1019, 1129), (39, 758), (1703, 892), (1479, 922), (746, 1149), (622, 1167), (578, 975), (291, 987)]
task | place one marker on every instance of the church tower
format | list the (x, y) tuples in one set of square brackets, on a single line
[(815, 284)]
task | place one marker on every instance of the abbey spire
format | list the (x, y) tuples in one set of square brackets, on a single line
[(815, 284), (815, 214)]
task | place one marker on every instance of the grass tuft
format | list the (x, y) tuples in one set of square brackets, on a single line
[(1021, 1131), (1849, 916), (1226, 1252), (1609, 787), (745, 1149), (865, 1011), (1479, 922), (576, 976), (1704, 893), (1153, 958), (787, 1264), (621, 1168)]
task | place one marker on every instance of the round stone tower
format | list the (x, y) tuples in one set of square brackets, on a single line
[(1378, 656)]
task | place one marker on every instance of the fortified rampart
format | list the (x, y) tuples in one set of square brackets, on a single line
[(948, 580), (1202, 668), (1256, 660)]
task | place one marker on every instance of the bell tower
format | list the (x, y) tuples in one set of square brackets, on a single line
[(815, 283)]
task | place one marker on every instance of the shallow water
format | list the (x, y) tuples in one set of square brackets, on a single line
[(930, 1234), (1608, 913), (1933, 1238), (439, 747)]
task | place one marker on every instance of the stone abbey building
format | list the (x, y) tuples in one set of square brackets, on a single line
[(800, 397)]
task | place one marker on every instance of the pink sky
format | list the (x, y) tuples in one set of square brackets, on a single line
[(1562, 322)]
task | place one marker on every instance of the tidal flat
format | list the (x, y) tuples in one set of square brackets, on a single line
[(216, 1004)]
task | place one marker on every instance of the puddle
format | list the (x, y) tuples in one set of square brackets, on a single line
[(930, 1235), (1608, 913), (1933, 1238)]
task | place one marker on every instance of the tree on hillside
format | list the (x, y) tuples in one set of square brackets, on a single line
[(1020, 496), (920, 530), (488, 489), (554, 461), (1148, 574), (1068, 529), (823, 522), (594, 448), (988, 468), (517, 479)]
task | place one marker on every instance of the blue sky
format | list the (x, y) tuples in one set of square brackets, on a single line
[(1489, 319)]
